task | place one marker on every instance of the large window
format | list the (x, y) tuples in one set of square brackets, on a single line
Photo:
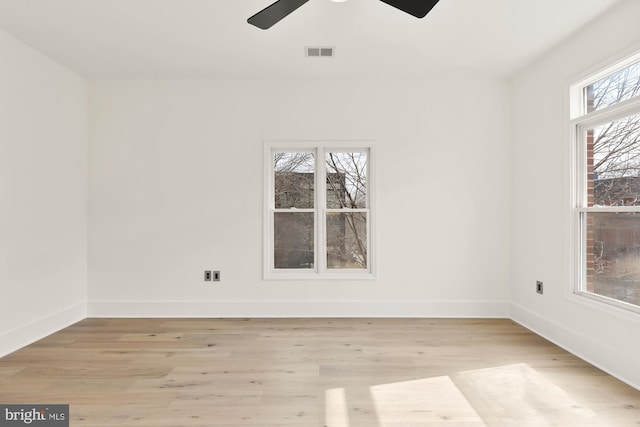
[(606, 129), (319, 211)]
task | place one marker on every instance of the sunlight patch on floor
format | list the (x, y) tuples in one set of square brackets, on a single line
[(518, 393), (336, 411), (436, 401)]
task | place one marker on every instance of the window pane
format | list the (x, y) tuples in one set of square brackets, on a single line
[(346, 180), (347, 240), (613, 163), (293, 240), (616, 87), (294, 180), (613, 255)]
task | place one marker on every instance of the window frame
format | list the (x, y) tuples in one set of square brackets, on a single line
[(320, 210), (579, 122)]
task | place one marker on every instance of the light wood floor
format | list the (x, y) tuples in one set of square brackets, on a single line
[(313, 372)]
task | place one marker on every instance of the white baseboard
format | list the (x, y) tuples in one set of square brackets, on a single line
[(617, 364), (22, 336), (460, 309)]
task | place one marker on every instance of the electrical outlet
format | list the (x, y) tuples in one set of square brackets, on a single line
[(216, 276), (539, 287), (207, 275)]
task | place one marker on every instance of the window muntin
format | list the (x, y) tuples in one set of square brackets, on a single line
[(319, 212), (607, 186)]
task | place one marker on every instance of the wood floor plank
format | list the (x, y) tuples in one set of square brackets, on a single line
[(313, 372)]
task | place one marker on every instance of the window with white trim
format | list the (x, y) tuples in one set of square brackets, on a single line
[(605, 111), (318, 219)]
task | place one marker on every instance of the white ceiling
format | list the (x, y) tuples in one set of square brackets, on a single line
[(211, 38)]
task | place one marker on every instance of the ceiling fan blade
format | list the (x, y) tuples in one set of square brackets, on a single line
[(274, 13), (417, 8)]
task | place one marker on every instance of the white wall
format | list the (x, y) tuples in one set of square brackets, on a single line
[(176, 187), (43, 187), (541, 203)]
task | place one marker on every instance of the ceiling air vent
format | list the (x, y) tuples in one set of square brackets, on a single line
[(320, 51)]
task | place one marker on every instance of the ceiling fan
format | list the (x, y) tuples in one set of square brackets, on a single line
[(273, 13)]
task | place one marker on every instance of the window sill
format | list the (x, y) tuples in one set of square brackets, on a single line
[(607, 304), (344, 276)]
